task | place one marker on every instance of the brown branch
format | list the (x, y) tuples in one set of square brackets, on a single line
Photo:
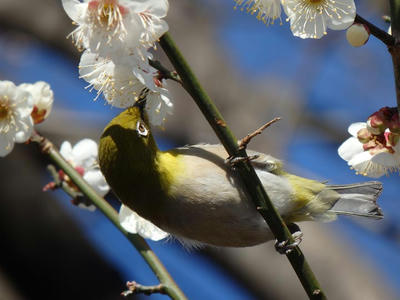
[(246, 140), (136, 288), (380, 34)]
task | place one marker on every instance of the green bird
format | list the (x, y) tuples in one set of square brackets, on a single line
[(193, 194)]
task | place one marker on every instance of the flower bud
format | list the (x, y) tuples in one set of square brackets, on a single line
[(364, 135), (357, 34), (379, 120)]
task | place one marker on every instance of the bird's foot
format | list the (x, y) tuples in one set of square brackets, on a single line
[(234, 160), (286, 247)]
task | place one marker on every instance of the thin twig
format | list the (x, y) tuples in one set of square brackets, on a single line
[(136, 288), (137, 241), (380, 34), (246, 140), (165, 73), (247, 174)]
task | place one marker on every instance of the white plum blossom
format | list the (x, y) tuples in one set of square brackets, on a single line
[(42, 97), (123, 84), (16, 124), (109, 26), (158, 106), (158, 100), (308, 18), (266, 11), (311, 18), (83, 157), (116, 35), (368, 154), (134, 223), (119, 85)]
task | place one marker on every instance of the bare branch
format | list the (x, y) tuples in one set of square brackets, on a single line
[(380, 34), (246, 140), (136, 288)]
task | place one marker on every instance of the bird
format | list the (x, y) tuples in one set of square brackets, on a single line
[(192, 193)]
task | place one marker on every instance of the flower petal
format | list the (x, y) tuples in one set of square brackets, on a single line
[(356, 127), (97, 181), (6, 144), (362, 163), (72, 8), (85, 153), (341, 21), (134, 223), (386, 159), (25, 127), (350, 148), (66, 151)]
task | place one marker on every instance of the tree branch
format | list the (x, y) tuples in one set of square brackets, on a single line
[(395, 49), (137, 241), (251, 182), (380, 34), (136, 288), (247, 139), (164, 71)]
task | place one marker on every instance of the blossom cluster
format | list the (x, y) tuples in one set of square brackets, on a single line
[(84, 158), (308, 18), (21, 107), (374, 148), (116, 36)]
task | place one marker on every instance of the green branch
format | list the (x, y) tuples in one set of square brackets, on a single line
[(247, 173), (169, 286)]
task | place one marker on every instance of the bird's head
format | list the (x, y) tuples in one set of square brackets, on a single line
[(128, 136)]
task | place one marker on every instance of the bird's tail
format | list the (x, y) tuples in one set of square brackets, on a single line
[(358, 199)]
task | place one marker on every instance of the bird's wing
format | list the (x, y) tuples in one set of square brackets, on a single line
[(259, 160)]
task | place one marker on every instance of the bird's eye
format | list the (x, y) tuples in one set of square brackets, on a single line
[(141, 129), (270, 166)]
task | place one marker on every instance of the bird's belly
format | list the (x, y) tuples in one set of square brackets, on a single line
[(223, 219), (205, 202)]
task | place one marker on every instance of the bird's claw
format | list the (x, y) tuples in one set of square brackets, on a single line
[(285, 247), (234, 160)]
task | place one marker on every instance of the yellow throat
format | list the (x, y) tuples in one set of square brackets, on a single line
[(137, 171)]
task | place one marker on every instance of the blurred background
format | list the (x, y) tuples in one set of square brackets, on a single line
[(52, 249)]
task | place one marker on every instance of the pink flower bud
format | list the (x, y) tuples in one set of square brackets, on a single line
[(379, 120)]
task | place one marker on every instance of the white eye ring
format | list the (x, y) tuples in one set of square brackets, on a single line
[(270, 166), (141, 129)]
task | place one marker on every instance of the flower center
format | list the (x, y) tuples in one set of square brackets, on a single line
[(315, 1), (108, 14), (4, 108)]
